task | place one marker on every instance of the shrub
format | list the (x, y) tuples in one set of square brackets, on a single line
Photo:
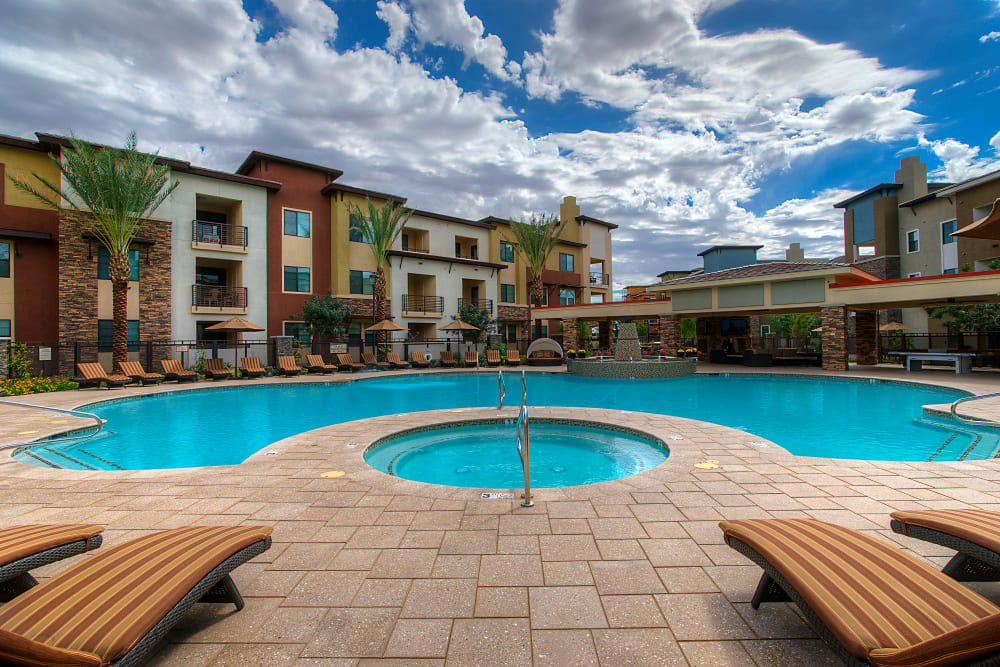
[(37, 385), (19, 363)]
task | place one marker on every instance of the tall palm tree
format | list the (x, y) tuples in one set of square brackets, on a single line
[(534, 239), (380, 226), (109, 191)]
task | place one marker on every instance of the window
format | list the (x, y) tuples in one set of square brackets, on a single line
[(565, 262), (201, 332), (356, 235), (406, 242), (507, 293), (297, 223), (511, 333), (210, 275), (104, 260), (362, 282), (567, 297), (913, 241), (506, 252), (765, 329), (4, 260), (4, 328), (458, 249), (296, 278), (298, 330), (947, 271), (913, 275), (474, 251), (947, 228), (106, 335), (545, 297)]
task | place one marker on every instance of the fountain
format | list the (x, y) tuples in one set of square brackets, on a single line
[(628, 362)]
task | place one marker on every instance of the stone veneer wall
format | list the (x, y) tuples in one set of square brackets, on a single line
[(627, 346), (834, 338), (507, 313), (78, 287), (885, 267), (625, 370), (866, 337), (4, 347), (670, 332), (571, 334)]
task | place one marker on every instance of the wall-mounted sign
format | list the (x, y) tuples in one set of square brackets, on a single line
[(45, 354), (181, 348), (338, 348)]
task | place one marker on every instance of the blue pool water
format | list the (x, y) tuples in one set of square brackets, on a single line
[(808, 416), (482, 456)]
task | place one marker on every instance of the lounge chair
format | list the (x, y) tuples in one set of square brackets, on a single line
[(288, 366), (447, 360), (493, 358), (315, 364), (471, 358), (252, 368), (93, 375), (369, 359), (115, 608), (395, 361), (346, 363), (216, 369), (513, 357), (418, 361), (868, 599), (24, 548), (173, 370), (134, 370), (975, 534)]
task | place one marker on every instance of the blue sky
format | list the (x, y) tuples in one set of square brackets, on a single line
[(689, 123)]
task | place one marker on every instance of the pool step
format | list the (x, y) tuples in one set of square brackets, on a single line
[(100, 458), (28, 452), (66, 456), (977, 440)]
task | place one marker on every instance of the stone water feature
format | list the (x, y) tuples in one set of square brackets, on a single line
[(628, 362)]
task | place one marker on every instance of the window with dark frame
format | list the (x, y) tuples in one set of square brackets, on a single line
[(506, 252), (565, 262), (104, 262), (362, 282), (297, 223), (106, 334), (4, 328), (4, 260), (356, 235), (297, 330), (567, 297), (947, 229), (296, 278), (507, 293)]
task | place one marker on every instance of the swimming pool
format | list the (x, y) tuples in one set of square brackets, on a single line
[(828, 417), (481, 455)]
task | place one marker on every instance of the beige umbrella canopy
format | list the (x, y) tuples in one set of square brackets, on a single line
[(895, 326), (459, 325), (816, 330), (235, 325), (985, 228), (386, 325)]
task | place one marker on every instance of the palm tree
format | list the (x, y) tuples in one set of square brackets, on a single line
[(534, 239), (380, 226), (109, 192)]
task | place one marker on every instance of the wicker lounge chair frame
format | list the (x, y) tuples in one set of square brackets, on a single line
[(513, 357), (973, 562), (345, 362), (317, 365), (93, 375), (493, 358), (288, 367), (215, 369), (173, 370), (395, 361), (251, 368), (134, 370), (369, 360), (15, 577), (447, 360), (418, 362)]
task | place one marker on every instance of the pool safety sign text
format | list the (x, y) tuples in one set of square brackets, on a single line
[(497, 496)]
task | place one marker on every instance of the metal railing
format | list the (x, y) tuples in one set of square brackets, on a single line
[(598, 279), (500, 389), (417, 303), (462, 255), (522, 443), (973, 420), (98, 425), (218, 233), (409, 248), (218, 296), (481, 304)]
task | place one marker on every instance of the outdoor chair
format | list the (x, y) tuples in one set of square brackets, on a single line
[(173, 370), (395, 361), (417, 360), (369, 359), (513, 357), (252, 368), (216, 369), (134, 370), (115, 607), (868, 599), (24, 548), (93, 375), (288, 366), (346, 363), (315, 364), (974, 534), (447, 360), (493, 358), (471, 358)]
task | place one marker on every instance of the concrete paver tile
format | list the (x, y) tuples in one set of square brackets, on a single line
[(637, 647), (440, 598), (626, 577), (351, 633), (514, 570), (502, 602), (554, 607), (489, 641), (558, 648), (419, 638), (632, 611)]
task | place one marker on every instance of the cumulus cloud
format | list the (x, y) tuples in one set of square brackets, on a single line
[(990, 37), (398, 21), (960, 161), (448, 23)]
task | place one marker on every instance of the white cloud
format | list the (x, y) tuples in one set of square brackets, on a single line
[(448, 23), (313, 17), (990, 37), (960, 161), (398, 21)]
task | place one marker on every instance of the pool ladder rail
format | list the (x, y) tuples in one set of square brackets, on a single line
[(522, 443), (98, 425), (973, 420)]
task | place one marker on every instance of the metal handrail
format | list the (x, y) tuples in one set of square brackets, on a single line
[(973, 420), (522, 443), (501, 390), (70, 438)]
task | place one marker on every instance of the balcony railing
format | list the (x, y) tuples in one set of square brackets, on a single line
[(410, 248), (481, 304), (599, 279), (216, 296), (417, 303), (470, 255), (217, 233)]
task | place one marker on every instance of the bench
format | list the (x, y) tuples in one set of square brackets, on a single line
[(914, 360)]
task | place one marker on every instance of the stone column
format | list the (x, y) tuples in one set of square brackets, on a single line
[(4, 346), (670, 332), (866, 337), (282, 346), (604, 334), (571, 333), (834, 338)]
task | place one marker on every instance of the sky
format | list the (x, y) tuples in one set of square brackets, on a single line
[(689, 123)]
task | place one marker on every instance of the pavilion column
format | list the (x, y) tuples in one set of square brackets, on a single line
[(834, 338), (571, 333), (670, 332), (604, 334), (866, 337)]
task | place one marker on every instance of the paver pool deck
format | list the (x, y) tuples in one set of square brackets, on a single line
[(367, 569)]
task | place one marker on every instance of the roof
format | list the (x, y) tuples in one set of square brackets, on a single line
[(18, 142), (869, 191), (725, 247), (587, 218), (494, 220), (257, 156), (450, 218), (755, 270), (663, 273), (350, 189), (968, 183)]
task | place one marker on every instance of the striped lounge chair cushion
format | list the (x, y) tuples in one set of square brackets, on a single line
[(92, 614), (882, 604), (980, 527), (17, 542)]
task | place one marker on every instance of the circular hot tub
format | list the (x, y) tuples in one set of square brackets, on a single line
[(482, 454)]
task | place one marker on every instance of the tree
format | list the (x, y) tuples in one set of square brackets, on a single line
[(380, 226), (981, 318), (796, 325), (477, 317), (326, 317), (109, 192), (534, 239), (688, 329)]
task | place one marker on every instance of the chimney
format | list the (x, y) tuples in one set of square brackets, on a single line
[(795, 253)]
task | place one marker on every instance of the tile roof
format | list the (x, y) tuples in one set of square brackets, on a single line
[(754, 270)]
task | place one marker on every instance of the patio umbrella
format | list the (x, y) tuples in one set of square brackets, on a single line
[(895, 326), (817, 330), (459, 325), (385, 325), (236, 325)]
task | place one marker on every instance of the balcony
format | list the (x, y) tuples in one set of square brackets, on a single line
[(218, 299), (417, 305), (466, 254), (599, 279), (481, 304), (218, 236)]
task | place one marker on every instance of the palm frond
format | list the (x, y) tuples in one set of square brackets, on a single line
[(535, 238), (380, 225)]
